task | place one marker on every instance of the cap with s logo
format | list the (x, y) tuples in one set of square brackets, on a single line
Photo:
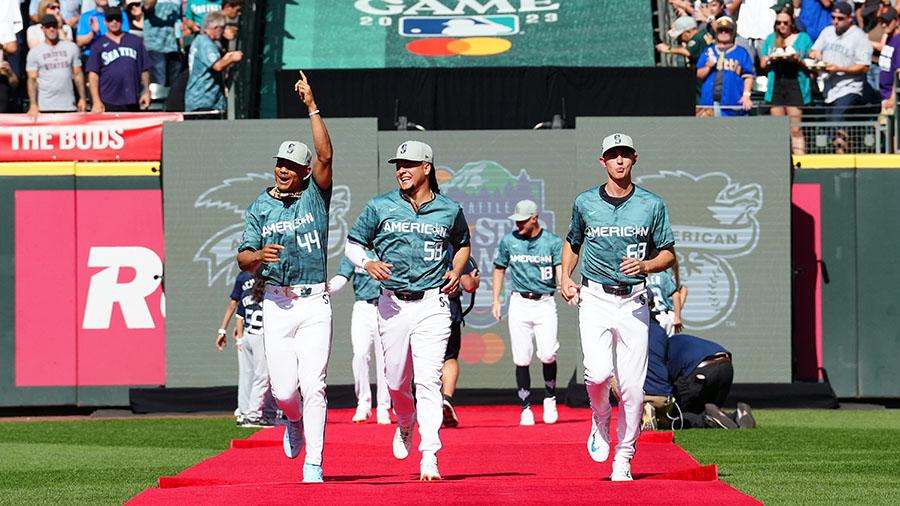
[(617, 140), (413, 151), (296, 152)]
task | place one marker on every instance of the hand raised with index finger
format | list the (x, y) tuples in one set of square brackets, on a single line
[(303, 90)]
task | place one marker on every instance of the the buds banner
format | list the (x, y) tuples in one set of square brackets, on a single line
[(65, 137)]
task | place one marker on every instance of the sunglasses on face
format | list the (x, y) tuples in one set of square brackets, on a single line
[(838, 18), (786, 23), (52, 8)]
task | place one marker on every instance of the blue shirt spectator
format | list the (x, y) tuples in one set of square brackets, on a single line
[(92, 25)]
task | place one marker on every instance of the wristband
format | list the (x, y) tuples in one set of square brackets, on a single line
[(747, 93), (313, 113), (222, 332)]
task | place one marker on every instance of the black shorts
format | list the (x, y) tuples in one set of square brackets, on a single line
[(786, 93), (454, 342)]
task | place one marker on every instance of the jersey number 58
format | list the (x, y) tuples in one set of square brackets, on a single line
[(434, 250)]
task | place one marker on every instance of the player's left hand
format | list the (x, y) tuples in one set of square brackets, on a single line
[(303, 89), (144, 101), (632, 266), (678, 326), (452, 282), (221, 342)]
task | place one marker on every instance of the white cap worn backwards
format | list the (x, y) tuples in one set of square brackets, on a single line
[(413, 151)]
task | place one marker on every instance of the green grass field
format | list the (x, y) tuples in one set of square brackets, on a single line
[(793, 457)]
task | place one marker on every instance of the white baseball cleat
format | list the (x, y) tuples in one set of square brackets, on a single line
[(362, 413), (429, 471), (384, 416), (598, 441), (403, 442), (550, 413), (621, 471), (527, 417)]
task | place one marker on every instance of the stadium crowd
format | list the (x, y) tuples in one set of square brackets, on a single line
[(103, 55), (837, 57)]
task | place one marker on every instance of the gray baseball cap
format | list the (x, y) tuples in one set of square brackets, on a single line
[(296, 152), (616, 140), (681, 25), (413, 151), (524, 209)]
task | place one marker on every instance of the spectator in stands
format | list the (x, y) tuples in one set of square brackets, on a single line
[(92, 25), (754, 23), (8, 47), (52, 66), (118, 69), (889, 61), (136, 18), (159, 37), (682, 7), (207, 68), (814, 15), (868, 20), (35, 33), (699, 373), (789, 83), (197, 10), (70, 10), (691, 40), (727, 73), (846, 50), (232, 11), (711, 11)]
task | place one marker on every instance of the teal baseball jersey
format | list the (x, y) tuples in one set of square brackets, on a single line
[(662, 284), (159, 28), (607, 233), (414, 242), (530, 261), (364, 286), (198, 9), (300, 225)]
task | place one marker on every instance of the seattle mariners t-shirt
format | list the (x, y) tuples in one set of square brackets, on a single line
[(204, 86), (850, 48), (300, 225), (662, 284), (120, 67), (198, 9), (365, 287), (54, 67), (414, 242), (159, 26), (531, 261), (248, 308), (608, 233)]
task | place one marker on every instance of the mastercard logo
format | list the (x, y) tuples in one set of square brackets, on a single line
[(487, 348), (469, 46)]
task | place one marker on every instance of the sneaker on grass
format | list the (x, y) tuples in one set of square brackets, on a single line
[(717, 419), (744, 417)]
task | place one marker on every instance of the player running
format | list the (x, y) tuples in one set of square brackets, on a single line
[(625, 234), (286, 229), (532, 255), (363, 335), (410, 230)]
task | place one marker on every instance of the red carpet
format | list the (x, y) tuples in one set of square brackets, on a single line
[(489, 458)]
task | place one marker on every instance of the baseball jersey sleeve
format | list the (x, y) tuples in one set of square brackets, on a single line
[(863, 52), (252, 238), (502, 258), (459, 234), (747, 64), (662, 231), (346, 268), (241, 311), (363, 231), (576, 226), (557, 250), (237, 290), (93, 62)]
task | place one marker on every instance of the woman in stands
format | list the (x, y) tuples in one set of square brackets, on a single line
[(34, 35), (789, 83)]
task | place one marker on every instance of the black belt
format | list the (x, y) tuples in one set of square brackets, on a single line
[(612, 289), (409, 295), (532, 295)]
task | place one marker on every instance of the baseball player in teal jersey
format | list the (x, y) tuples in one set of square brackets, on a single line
[(286, 229), (364, 334), (532, 256), (668, 300), (619, 227), (410, 230)]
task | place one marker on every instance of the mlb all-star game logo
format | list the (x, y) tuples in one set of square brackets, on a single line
[(233, 197), (488, 193), (458, 27), (723, 226)]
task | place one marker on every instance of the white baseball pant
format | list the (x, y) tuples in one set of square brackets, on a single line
[(605, 321), (414, 335), (530, 322), (298, 344), (666, 320), (253, 376), (364, 334)]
